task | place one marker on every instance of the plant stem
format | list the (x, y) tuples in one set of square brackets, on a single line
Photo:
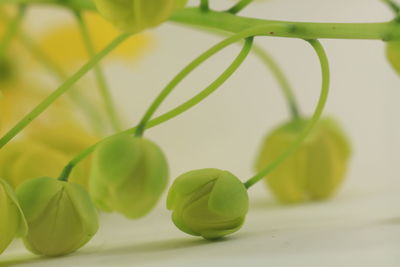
[(79, 99), (276, 70), (100, 78), (281, 78), (61, 90), (239, 6), (387, 31), (175, 112), (182, 75), (12, 30), (311, 124)]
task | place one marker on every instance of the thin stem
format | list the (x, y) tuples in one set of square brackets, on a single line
[(173, 113), (100, 78), (387, 31), (239, 6), (67, 85), (311, 124), (178, 78), (79, 99), (281, 78), (276, 70), (204, 5), (12, 30)]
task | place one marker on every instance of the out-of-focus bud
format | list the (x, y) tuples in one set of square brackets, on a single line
[(12, 220), (27, 159), (128, 175), (210, 203), (317, 168), (138, 15), (393, 55), (60, 216)]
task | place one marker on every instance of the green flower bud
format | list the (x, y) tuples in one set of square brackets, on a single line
[(60, 216), (128, 175), (210, 203), (315, 170), (137, 15), (12, 220), (393, 55)]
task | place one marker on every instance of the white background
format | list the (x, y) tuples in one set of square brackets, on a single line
[(359, 227)]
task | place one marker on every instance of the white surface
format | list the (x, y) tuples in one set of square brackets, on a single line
[(360, 227)]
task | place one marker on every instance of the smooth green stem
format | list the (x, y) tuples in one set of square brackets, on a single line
[(78, 98), (281, 78), (11, 31), (67, 85), (276, 70), (311, 124), (387, 31), (181, 76), (99, 74), (204, 5), (174, 112), (242, 4)]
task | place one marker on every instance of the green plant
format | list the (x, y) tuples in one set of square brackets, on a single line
[(128, 168)]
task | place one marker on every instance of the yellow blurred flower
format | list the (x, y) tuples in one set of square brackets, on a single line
[(65, 46)]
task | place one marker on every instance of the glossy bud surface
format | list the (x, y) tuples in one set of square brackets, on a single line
[(210, 203)]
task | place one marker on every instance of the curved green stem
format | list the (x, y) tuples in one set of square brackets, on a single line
[(276, 70), (12, 30), (239, 6), (311, 124), (182, 75), (79, 99), (61, 90), (99, 74), (175, 112), (281, 78)]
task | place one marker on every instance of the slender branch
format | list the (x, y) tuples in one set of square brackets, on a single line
[(242, 4), (281, 78), (276, 70), (311, 124), (67, 85), (12, 30), (175, 112), (78, 98), (387, 31), (99, 74), (185, 72)]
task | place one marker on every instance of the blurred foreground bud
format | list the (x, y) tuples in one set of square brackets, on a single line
[(210, 203), (393, 55), (60, 216), (315, 170), (128, 175), (138, 15), (12, 220), (26, 159)]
